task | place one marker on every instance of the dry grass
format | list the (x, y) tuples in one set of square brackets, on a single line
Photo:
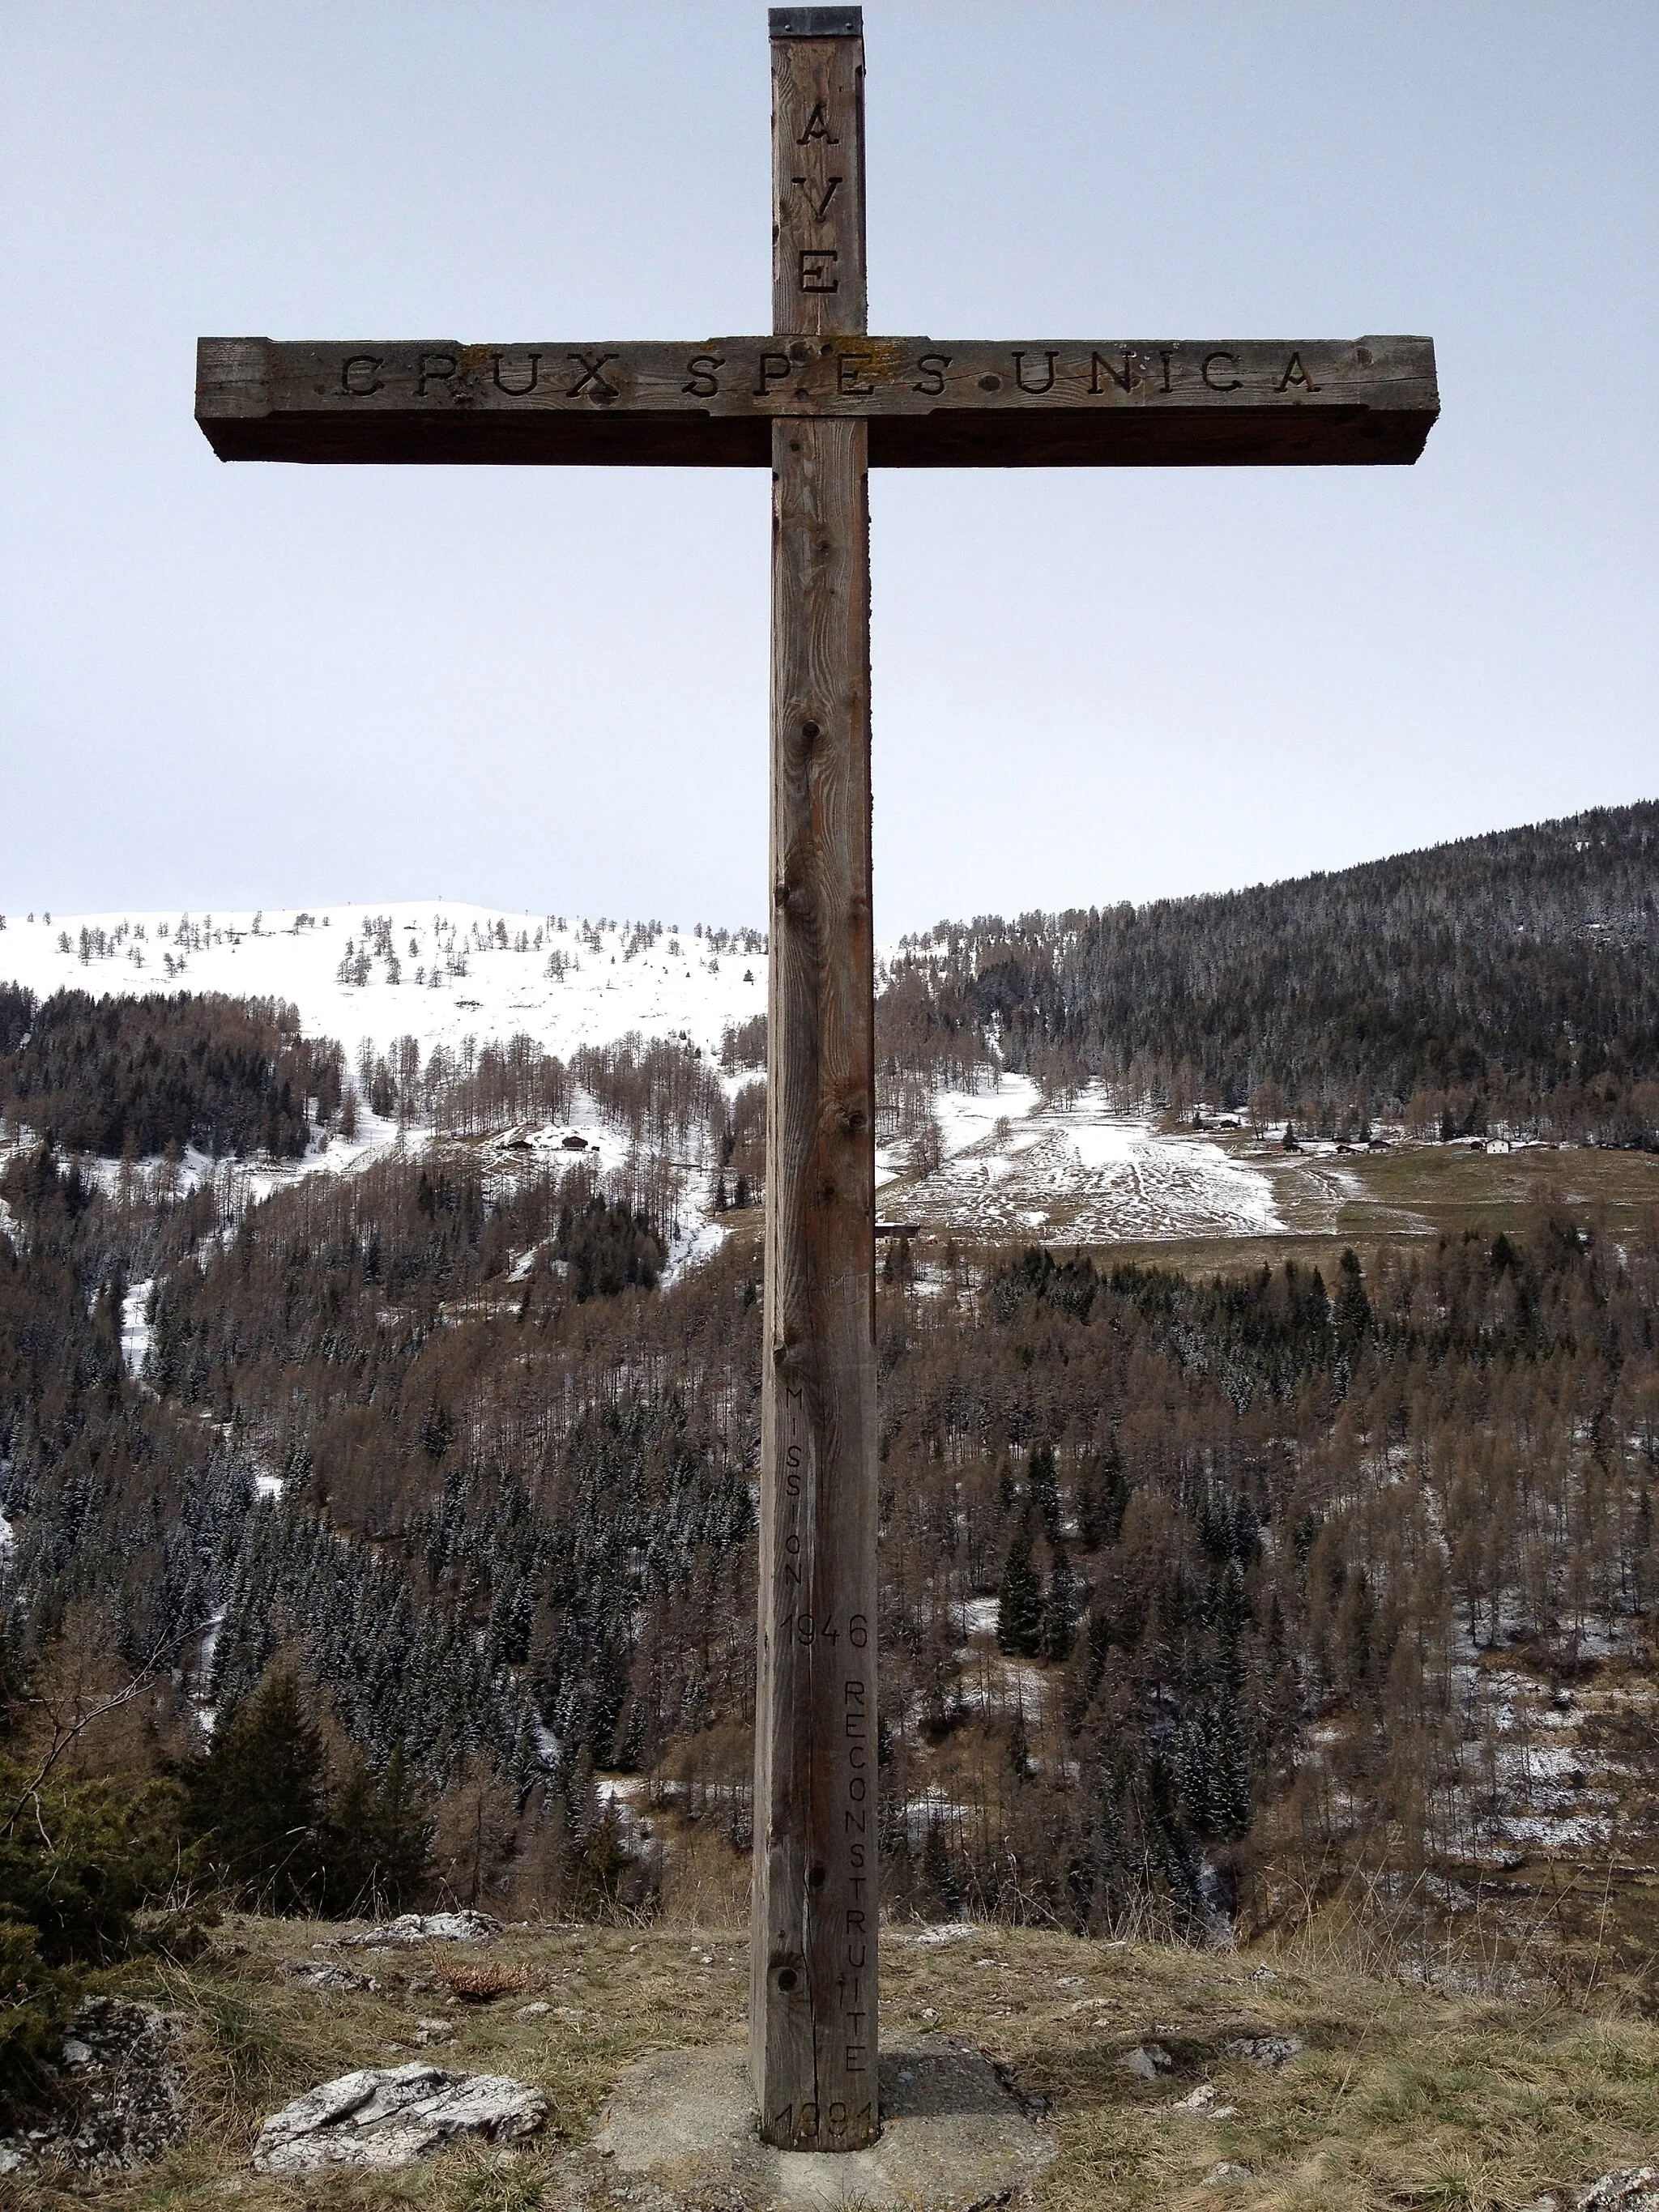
[(482, 1980), (1430, 1189), (1402, 2097)]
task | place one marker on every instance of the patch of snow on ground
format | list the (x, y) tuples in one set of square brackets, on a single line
[(206, 1714), (236, 1183), (1556, 1833), (1072, 1173), (134, 1326), (689, 1251), (932, 1808)]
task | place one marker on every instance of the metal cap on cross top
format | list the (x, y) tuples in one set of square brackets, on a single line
[(819, 402), (815, 22)]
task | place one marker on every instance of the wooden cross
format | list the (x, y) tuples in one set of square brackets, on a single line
[(820, 401)]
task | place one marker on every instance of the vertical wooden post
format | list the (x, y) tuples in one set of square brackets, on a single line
[(813, 2015)]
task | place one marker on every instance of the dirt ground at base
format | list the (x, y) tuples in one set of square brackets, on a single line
[(1394, 2095)]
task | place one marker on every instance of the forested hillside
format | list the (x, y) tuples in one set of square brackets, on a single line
[(1509, 980), (112, 1075), (1505, 984), (429, 1484), (1179, 1579)]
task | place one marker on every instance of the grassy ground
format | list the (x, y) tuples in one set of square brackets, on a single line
[(1431, 1188), (1365, 1200), (1325, 1199), (1401, 2098)]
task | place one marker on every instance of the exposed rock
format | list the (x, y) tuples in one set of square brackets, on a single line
[(425, 1928), (433, 2030), (1631, 2189), (392, 2116), (123, 2092), (1267, 2051), (328, 1978), (1201, 2104), (536, 2010), (1145, 2062), (1226, 2174)]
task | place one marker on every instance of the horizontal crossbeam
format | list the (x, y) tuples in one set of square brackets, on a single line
[(930, 403)]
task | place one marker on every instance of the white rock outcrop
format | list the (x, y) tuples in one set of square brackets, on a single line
[(425, 1928), (390, 2116)]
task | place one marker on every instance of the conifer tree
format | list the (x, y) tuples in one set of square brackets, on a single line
[(1353, 1309), (1230, 1771), (1061, 1605), (378, 1840), (1044, 1487), (1102, 1497), (1019, 1747), (1019, 1598), (939, 1872), (257, 1798)]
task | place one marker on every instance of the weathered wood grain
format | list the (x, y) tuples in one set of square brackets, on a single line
[(931, 402), (813, 2002), (814, 2005), (818, 282)]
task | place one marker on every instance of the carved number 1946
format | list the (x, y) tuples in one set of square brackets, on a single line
[(808, 1629)]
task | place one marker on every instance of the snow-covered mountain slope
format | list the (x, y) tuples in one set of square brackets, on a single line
[(1012, 1166), (439, 972)]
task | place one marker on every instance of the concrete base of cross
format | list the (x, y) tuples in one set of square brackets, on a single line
[(680, 2129)]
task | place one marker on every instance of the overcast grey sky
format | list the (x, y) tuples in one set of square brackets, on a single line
[(242, 685)]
